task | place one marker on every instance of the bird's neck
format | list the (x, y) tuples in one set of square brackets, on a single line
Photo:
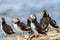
[(45, 15), (28, 23), (34, 21), (3, 22)]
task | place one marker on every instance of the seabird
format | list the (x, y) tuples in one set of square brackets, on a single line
[(28, 25), (19, 26), (35, 26), (6, 28), (48, 21), (44, 22), (53, 22)]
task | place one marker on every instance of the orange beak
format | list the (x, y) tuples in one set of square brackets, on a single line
[(12, 21), (29, 17)]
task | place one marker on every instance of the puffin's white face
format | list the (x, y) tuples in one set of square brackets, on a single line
[(15, 20), (32, 17)]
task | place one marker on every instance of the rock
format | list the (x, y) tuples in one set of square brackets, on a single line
[(17, 37), (53, 35), (10, 38)]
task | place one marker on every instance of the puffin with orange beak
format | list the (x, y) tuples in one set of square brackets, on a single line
[(35, 26), (19, 26), (28, 24)]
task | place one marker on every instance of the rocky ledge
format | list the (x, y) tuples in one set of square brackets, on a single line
[(53, 35)]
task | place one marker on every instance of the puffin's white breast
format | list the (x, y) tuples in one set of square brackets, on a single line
[(33, 27), (2, 29), (17, 27), (50, 27)]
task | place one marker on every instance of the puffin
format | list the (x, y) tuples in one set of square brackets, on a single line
[(19, 26), (48, 21), (6, 28), (44, 22), (52, 22), (29, 26), (35, 26)]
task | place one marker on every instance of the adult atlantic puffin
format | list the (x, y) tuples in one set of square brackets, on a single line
[(44, 22), (19, 26), (35, 26), (48, 21), (28, 25), (6, 28)]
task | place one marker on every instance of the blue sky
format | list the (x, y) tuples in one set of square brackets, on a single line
[(21, 4), (22, 8)]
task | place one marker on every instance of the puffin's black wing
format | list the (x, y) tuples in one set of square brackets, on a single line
[(40, 29), (23, 26), (8, 29)]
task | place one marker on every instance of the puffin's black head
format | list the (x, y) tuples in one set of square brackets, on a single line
[(3, 19), (45, 13), (15, 20)]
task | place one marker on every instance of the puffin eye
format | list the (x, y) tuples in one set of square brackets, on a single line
[(32, 16), (15, 19)]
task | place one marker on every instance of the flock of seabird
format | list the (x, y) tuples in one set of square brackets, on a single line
[(46, 24)]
